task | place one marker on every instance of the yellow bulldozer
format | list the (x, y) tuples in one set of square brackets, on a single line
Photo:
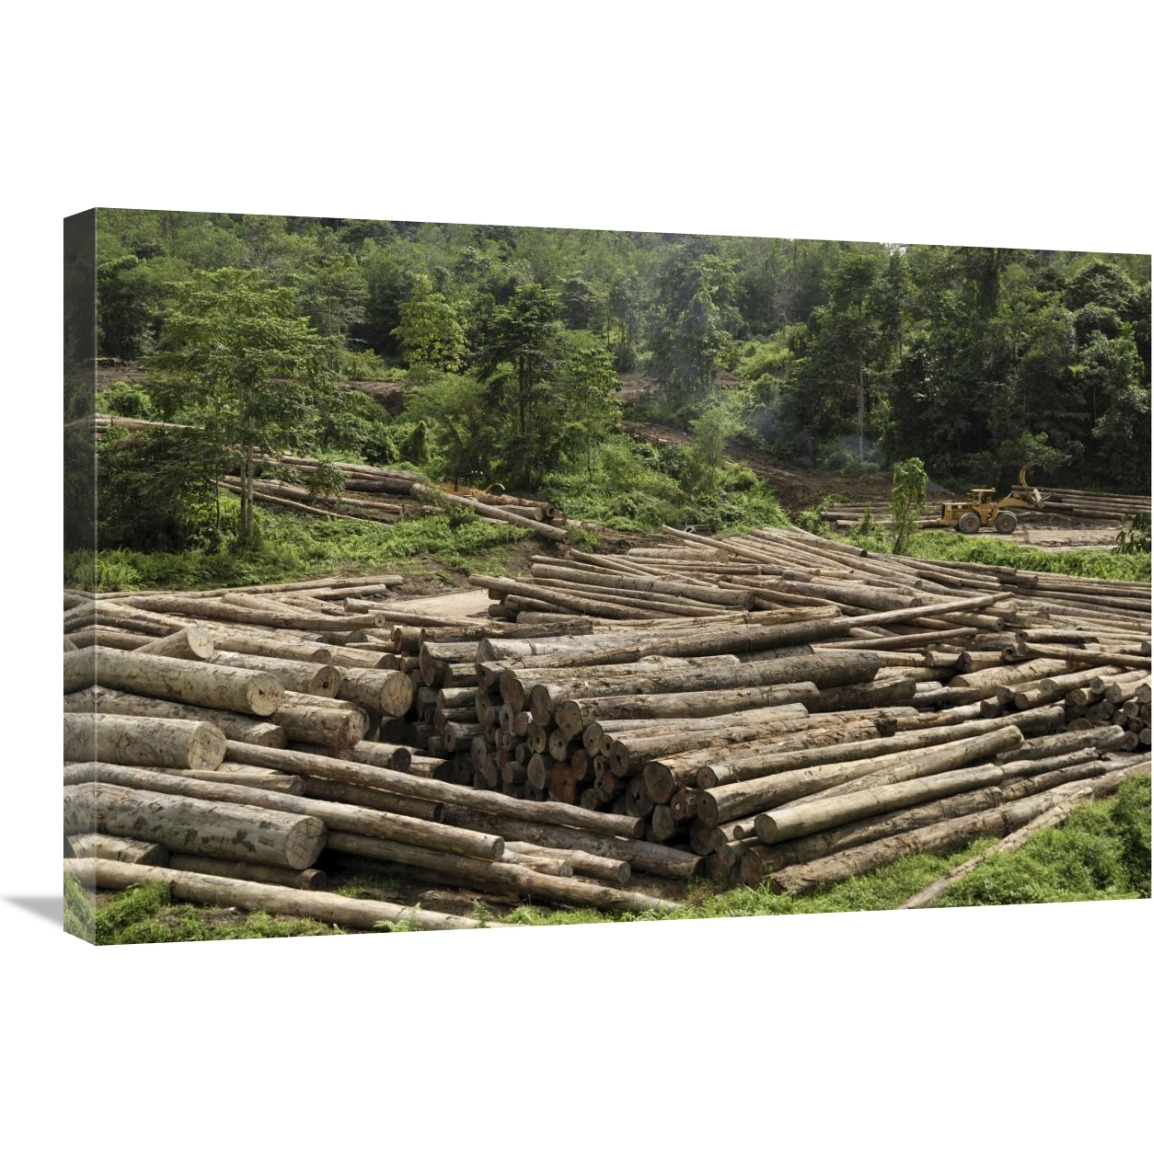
[(981, 511)]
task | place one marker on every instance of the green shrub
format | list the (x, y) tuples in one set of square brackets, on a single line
[(79, 910)]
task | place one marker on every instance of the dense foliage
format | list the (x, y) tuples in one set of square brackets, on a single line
[(972, 359)]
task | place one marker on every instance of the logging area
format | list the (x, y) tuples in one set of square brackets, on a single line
[(705, 629), (607, 731)]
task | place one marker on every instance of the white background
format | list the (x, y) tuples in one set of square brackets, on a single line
[(999, 124)]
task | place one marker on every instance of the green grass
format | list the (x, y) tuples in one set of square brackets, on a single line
[(79, 910), (147, 913), (295, 547), (1100, 853), (945, 546)]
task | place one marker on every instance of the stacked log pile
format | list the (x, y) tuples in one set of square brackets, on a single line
[(389, 495), (768, 669), (222, 742), (849, 514), (1096, 506), (770, 706)]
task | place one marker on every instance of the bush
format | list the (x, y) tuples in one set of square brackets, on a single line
[(125, 399), (1101, 852)]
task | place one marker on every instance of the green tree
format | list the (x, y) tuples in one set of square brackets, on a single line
[(907, 498), (588, 407), (238, 361), (691, 331), (518, 361), (430, 333)]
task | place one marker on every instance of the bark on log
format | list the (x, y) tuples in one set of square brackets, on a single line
[(249, 775), (310, 765), (310, 879), (737, 800), (157, 741), (940, 838), (191, 644), (647, 857), (1055, 771), (333, 909), (813, 816), (194, 683), (334, 815), (295, 676), (235, 726), (571, 717), (505, 878), (190, 825), (328, 725), (118, 849)]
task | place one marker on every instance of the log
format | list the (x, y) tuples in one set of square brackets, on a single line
[(296, 676), (310, 879), (190, 825), (335, 815), (332, 909), (386, 692), (191, 644), (235, 774), (571, 717), (143, 741), (170, 678), (235, 726), (367, 798), (506, 878), (311, 765), (492, 512), (731, 801), (118, 849), (813, 816), (329, 724), (765, 859), (269, 645), (941, 838)]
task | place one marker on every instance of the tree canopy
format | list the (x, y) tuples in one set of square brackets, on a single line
[(846, 354)]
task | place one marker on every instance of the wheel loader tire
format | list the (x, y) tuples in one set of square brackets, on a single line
[(969, 523), (1005, 522)]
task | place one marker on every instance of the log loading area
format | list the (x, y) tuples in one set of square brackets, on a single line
[(773, 708)]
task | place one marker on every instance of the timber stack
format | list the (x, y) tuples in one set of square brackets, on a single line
[(391, 495), (768, 706), (1094, 506), (222, 742)]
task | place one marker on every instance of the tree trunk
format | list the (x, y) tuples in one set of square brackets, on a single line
[(741, 798), (167, 742), (194, 683), (189, 825), (503, 877), (127, 849), (235, 726), (191, 644), (335, 815), (332, 909)]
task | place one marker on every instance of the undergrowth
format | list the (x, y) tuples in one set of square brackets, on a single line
[(634, 487), (1101, 852), (292, 547), (943, 546), (147, 913)]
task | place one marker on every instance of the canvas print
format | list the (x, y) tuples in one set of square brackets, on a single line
[(440, 575)]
